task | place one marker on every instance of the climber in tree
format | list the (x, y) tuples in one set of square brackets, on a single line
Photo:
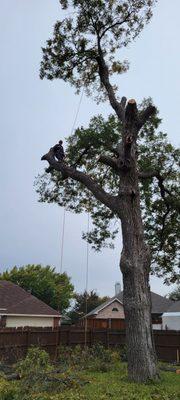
[(59, 151)]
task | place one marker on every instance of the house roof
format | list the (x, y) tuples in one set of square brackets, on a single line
[(175, 307), (104, 305), (16, 301), (159, 304)]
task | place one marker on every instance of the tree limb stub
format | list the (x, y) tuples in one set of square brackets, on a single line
[(123, 102), (68, 172), (131, 111)]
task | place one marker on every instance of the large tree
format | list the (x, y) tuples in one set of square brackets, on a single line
[(82, 52), (45, 283)]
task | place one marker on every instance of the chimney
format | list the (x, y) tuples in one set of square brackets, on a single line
[(117, 288)]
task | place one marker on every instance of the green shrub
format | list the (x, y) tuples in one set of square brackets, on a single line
[(37, 361), (123, 353), (38, 375), (96, 358), (33, 371), (7, 390)]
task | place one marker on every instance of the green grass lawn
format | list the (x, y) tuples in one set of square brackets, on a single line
[(114, 385)]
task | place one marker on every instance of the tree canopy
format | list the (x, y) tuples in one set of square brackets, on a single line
[(45, 283), (84, 303), (175, 294), (92, 27), (159, 193)]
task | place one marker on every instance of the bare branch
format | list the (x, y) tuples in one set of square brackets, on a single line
[(104, 77), (145, 115), (111, 162), (148, 174), (118, 23), (68, 172)]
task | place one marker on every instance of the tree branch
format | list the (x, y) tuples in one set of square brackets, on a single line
[(145, 115), (111, 162), (170, 201), (104, 77), (148, 174), (115, 24), (69, 172), (81, 156)]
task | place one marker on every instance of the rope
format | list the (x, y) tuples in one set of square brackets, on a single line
[(62, 240), (77, 113), (87, 279), (64, 214)]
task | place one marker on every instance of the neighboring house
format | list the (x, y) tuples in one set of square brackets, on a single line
[(111, 313), (171, 318), (19, 308)]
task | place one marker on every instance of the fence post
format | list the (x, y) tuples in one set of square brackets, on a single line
[(107, 338), (91, 337), (56, 331), (28, 338), (59, 337), (69, 337)]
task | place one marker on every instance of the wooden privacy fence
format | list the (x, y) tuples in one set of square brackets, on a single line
[(15, 342)]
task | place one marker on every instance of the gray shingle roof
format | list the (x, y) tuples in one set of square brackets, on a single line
[(159, 304), (15, 300), (175, 307)]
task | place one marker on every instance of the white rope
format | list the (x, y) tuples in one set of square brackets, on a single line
[(62, 240), (87, 281), (77, 113), (64, 213)]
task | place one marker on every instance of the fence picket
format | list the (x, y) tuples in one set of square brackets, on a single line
[(15, 342)]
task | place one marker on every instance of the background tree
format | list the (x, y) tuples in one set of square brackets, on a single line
[(84, 303), (175, 294), (45, 283), (82, 52)]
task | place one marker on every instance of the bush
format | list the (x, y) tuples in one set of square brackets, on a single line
[(39, 376), (123, 353), (33, 372), (7, 390), (96, 358)]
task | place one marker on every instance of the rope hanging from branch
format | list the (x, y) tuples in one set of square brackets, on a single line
[(64, 212)]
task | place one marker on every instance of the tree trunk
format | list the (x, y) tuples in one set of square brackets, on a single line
[(135, 266)]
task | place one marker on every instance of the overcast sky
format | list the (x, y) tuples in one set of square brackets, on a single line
[(35, 114)]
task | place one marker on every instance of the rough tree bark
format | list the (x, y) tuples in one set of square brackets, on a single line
[(135, 258)]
